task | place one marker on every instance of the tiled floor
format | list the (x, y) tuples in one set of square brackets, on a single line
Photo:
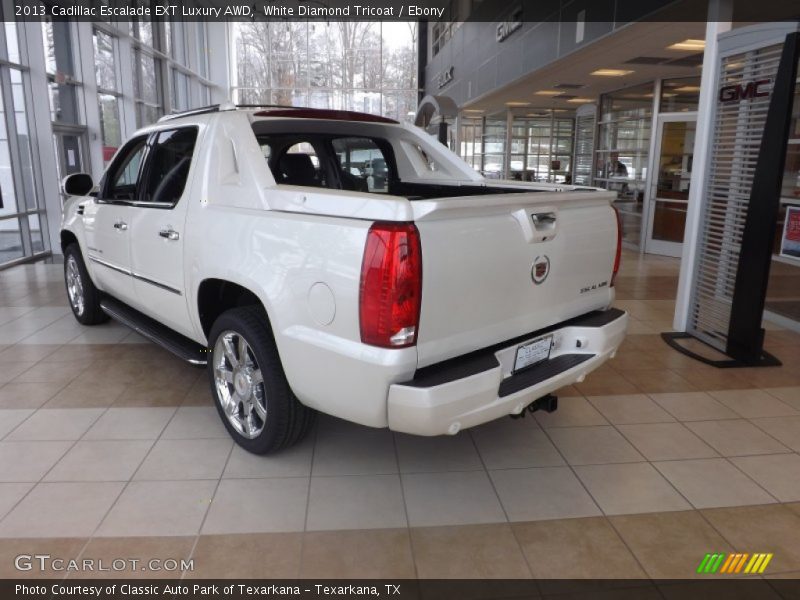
[(109, 446)]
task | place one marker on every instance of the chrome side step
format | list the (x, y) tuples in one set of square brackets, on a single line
[(170, 340)]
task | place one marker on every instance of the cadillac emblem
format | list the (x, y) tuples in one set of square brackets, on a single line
[(540, 269)]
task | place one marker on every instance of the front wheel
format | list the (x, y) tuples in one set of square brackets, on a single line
[(250, 388), (84, 297)]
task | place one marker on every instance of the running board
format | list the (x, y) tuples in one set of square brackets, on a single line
[(179, 345)]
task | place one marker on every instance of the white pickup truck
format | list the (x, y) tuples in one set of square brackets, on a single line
[(331, 261)]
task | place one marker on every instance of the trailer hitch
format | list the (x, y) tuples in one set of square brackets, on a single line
[(548, 403)]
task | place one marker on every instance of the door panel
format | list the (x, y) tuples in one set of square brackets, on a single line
[(157, 249), (157, 260), (107, 228), (108, 220)]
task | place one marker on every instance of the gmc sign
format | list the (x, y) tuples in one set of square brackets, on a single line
[(738, 92)]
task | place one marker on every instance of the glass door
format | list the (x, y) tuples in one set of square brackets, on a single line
[(668, 195), (70, 148)]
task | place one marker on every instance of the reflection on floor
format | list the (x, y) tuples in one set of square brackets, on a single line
[(110, 447)]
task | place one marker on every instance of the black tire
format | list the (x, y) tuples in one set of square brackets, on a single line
[(88, 312), (287, 420)]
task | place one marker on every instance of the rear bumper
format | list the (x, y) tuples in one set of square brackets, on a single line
[(480, 387)]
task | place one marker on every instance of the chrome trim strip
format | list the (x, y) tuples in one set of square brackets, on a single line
[(110, 266), (155, 283), (135, 276)]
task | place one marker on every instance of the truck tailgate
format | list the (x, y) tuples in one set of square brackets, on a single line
[(497, 267)]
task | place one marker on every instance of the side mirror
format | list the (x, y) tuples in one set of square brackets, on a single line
[(77, 184)]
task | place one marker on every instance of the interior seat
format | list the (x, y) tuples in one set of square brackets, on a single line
[(297, 169)]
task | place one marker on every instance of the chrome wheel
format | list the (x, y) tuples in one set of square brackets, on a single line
[(239, 384), (74, 286)]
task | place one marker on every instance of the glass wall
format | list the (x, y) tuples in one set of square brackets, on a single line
[(363, 66), (471, 141), (494, 146), (105, 58), (623, 147), (541, 148), (680, 95), (148, 87), (64, 83), (783, 292), (21, 210)]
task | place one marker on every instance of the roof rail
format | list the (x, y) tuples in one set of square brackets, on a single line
[(194, 111), (327, 114)]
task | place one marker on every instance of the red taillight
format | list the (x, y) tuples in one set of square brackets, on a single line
[(391, 285), (618, 255)]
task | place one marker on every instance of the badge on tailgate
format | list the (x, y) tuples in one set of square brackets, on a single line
[(532, 353)]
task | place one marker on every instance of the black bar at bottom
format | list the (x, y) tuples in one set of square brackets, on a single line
[(404, 589)]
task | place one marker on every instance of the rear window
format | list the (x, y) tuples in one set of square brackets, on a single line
[(362, 160), (359, 164)]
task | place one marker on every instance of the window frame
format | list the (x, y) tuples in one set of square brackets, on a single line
[(103, 195), (144, 168), (144, 172)]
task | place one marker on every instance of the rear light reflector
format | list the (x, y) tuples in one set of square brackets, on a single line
[(618, 255), (390, 294)]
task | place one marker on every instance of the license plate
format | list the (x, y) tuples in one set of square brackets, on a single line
[(533, 352)]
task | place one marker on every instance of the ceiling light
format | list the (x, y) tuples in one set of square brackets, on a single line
[(611, 72), (472, 110), (689, 45), (580, 100), (516, 103), (687, 88), (547, 93)]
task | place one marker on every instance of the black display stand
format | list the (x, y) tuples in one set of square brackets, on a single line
[(745, 340)]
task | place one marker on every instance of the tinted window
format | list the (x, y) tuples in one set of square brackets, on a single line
[(168, 165), (124, 173), (336, 162), (299, 165), (362, 163)]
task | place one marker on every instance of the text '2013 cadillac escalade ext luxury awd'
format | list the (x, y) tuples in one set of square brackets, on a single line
[(330, 261)]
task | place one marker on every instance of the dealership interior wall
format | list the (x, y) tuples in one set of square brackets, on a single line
[(625, 107)]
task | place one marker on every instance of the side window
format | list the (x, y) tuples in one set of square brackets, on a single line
[(362, 163), (124, 173), (168, 165)]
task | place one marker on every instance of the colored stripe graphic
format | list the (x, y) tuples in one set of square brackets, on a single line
[(704, 563), (727, 564), (730, 564), (738, 562), (717, 563), (741, 562), (765, 563)]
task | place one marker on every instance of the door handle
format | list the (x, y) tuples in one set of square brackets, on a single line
[(121, 226), (169, 234)]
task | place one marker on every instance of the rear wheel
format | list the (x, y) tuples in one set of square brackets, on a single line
[(252, 395), (84, 297)]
